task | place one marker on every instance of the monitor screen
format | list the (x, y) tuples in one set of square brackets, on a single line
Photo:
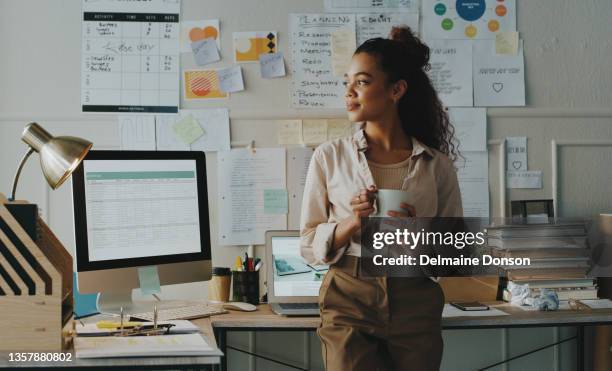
[(292, 275), (140, 208)]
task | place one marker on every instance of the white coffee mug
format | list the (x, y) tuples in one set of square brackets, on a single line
[(390, 200)]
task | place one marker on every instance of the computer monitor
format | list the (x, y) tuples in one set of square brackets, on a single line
[(139, 208)]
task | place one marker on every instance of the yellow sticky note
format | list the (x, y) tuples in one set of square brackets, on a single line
[(187, 130), (507, 42), (314, 131), (338, 128), (290, 132), (343, 45)]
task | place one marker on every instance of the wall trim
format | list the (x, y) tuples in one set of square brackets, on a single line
[(501, 173)]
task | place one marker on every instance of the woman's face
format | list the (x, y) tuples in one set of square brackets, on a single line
[(368, 96)]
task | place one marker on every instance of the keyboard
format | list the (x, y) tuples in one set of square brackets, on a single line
[(186, 312), (299, 305)]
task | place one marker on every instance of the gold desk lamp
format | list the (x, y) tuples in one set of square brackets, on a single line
[(59, 156)]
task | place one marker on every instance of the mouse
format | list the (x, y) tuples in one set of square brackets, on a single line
[(237, 305)]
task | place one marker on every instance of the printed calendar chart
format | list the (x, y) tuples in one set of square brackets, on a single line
[(130, 56)]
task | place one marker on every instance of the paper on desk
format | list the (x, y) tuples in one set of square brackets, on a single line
[(597, 303), (230, 79), (272, 65), (343, 45), (187, 129), (137, 132), (473, 176), (143, 346), (290, 132), (205, 51), (298, 160), (563, 305), (470, 127), (450, 311), (314, 131), (243, 175), (180, 327)]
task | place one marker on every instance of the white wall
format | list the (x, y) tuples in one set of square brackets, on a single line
[(567, 57)]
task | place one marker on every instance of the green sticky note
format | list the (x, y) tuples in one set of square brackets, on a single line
[(149, 280), (187, 129), (275, 201)]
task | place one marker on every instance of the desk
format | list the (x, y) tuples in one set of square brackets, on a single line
[(265, 320), (145, 363)]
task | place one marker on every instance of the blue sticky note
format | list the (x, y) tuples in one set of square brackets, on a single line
[(275, 201), (149, 280), (84, 304)]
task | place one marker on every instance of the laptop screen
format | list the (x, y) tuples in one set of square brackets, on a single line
[(292, 275)]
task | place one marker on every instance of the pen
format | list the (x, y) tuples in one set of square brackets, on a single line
[(258, 265), (250, 265), (246, 261), (238, 264)]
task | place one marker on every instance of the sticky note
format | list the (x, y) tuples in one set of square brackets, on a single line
[(205, 51), (507, 42), (275, 201), (272, 65), (338, 128), (187, 130), (314, 131), (149, 280), (343, 45), (290, 132), (230, 79)]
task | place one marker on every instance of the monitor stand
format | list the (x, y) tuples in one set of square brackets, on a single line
[(112, 302)]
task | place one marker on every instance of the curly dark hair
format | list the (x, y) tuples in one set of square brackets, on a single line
[(403, 56)]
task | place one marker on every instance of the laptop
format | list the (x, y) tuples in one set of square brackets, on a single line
[(293, 284)]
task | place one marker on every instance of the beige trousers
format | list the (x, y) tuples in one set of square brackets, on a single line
[(379, 323)]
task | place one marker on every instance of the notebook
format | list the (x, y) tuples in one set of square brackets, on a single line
[(293, 284)]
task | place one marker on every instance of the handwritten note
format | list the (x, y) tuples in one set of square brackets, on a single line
[(516, 153), (506, 42), (451, 71), (343, 46), (230, 79), (272, 65), (205, 51), (314, 131), (379, 24), (338, 128), (499, 80), (290, 132), (314, 84), (187, 129), (192, 31), (275, 201)]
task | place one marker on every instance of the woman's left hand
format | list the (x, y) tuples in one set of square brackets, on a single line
[(408, 211)]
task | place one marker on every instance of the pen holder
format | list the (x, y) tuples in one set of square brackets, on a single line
[(245, 286)]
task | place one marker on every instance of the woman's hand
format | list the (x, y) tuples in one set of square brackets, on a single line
[(363, 204), (408, 211)]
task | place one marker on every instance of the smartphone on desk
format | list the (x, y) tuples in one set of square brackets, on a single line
[(469, 305)]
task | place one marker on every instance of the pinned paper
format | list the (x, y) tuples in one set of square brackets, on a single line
[(149, 280), (202, 84), (524, 179), (290, 132), (338, 128), (248, 46), (314, 131), (137, 132), (516, 153), (230, 79), (272, 65), (275, 201), (343, 45), (188, 130), (192, 31), (507, 42), (205, 51)]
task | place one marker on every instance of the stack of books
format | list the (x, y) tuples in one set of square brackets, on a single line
[(557, 254)]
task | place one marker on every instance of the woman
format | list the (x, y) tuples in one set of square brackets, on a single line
[(380, 323)]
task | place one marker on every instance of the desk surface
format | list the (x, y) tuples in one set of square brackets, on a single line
[(264, 319)]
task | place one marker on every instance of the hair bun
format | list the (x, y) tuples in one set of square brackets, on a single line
[(418, 51)]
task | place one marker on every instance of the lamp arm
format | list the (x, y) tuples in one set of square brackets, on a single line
[(23, 161)]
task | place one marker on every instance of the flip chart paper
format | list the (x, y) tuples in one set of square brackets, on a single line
[(272, 65), (275, 201), (137, 132), (230, 79), (470, 127), (451, 71), (314, 83), (242, 178), (499, 80), (524, 179), (516, 153), (205, 51), (187, 129)]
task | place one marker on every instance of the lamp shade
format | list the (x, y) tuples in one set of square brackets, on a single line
[(59, 156)]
